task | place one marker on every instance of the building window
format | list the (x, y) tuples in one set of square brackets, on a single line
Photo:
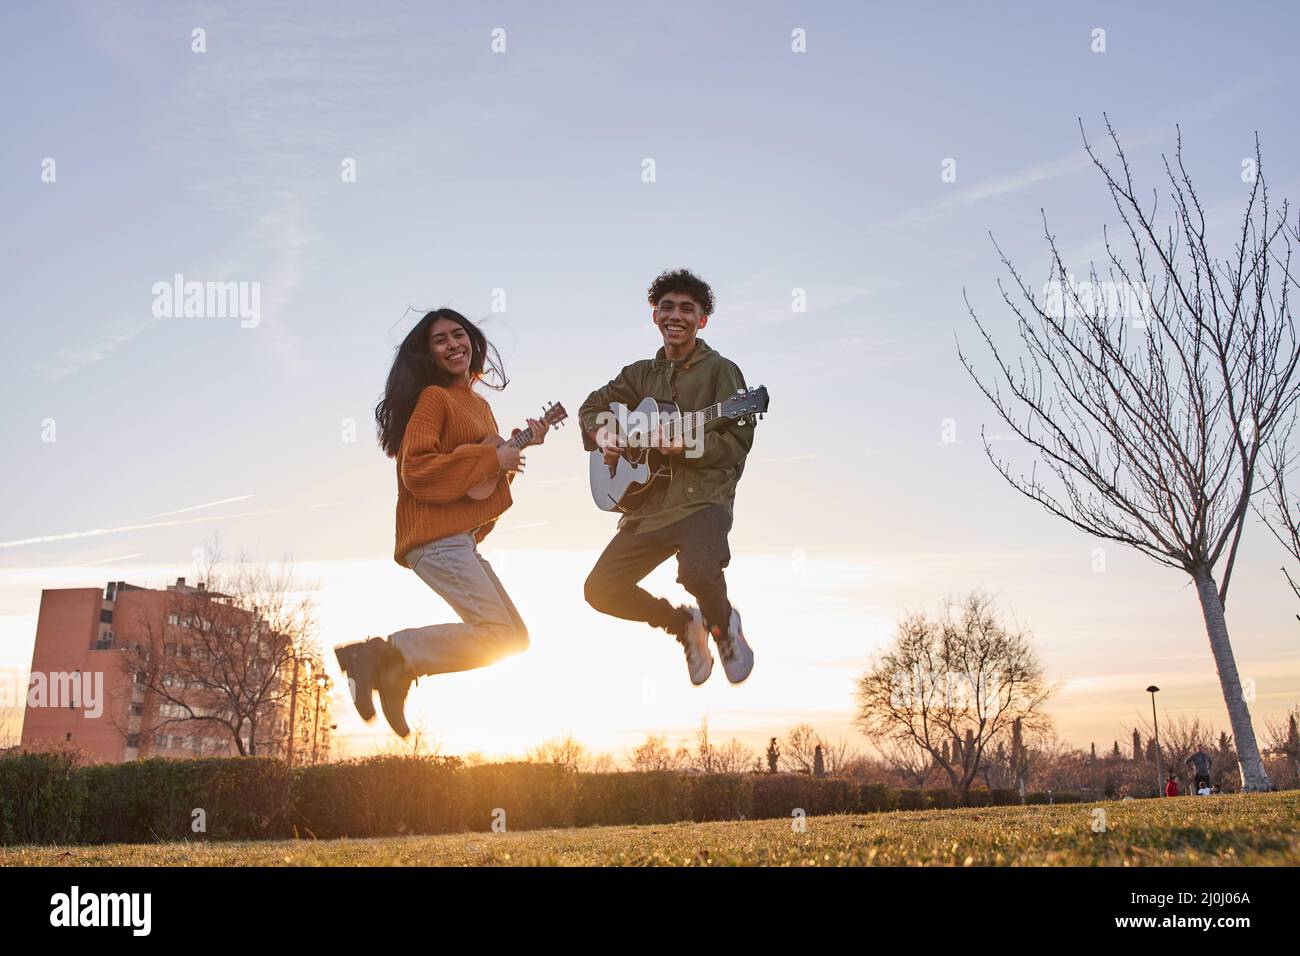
[(137, 709), (173, 619), (105, 616), (133, 740), (67, 736), (139, 677)]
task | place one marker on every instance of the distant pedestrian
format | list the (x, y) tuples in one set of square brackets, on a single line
[(1171, 788), (1199, 764)]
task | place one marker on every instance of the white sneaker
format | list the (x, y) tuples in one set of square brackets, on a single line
[(737, 656), (695, 640)]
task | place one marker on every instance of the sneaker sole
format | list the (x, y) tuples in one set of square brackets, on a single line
[(746, 656)]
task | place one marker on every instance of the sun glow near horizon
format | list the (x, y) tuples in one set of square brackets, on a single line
[(814, 622)]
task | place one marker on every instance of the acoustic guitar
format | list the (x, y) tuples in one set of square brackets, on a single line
[(626, 484)]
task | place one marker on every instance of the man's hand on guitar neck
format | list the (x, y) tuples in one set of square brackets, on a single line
[(611, 447)]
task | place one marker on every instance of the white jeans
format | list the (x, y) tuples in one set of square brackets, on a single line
[(491, 627)]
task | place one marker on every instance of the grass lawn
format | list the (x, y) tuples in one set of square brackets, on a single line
[(1228, 830)]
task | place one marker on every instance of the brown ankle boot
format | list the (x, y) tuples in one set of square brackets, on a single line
[(393, 682)]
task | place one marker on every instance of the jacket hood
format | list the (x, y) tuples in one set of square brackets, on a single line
[(701, 353)]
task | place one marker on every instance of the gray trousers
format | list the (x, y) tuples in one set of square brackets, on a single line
[(491, 627)]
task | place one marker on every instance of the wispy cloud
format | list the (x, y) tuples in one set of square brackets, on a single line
[(1075, 161)]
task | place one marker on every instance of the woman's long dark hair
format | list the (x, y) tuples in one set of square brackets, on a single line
[(415, 368)]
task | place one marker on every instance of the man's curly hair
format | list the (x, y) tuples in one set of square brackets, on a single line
[(685, 282)]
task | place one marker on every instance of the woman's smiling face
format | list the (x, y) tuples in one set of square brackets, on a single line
[(450, 346)]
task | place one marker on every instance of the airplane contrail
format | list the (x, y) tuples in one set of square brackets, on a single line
[(120, 557), (210, 504), (96, 532)]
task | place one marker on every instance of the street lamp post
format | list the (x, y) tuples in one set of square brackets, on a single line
[(321, 683), (1160, 775)]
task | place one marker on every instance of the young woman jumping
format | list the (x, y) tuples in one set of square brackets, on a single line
[(433, 422)]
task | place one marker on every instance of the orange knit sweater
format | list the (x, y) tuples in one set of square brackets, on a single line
[(439, 461)]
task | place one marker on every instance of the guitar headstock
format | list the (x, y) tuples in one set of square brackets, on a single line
[(747, 403)]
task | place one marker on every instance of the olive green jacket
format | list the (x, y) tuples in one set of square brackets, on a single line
[(704, 378)]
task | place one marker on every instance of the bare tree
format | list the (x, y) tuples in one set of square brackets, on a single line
[(953, 687), (564, 751), (800, 751), (1154, 438), (838, 755), (1284, 739), (418, 743), (222, 657), (653, 754), (735, 757), (705, 758), (909, 760), (1281, 515)]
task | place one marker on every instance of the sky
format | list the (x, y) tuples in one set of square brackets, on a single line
[(500, 157)]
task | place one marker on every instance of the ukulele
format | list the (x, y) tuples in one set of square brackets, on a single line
[(552, 416)]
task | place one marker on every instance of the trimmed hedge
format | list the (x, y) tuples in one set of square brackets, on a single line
[(41, 798), (48, 798), (224, 798), (375, 796), (610, 799)]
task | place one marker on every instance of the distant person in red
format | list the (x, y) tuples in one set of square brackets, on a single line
[(1171, 788)]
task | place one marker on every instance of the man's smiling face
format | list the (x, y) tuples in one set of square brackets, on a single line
[(678, 317)]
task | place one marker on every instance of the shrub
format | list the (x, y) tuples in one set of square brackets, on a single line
[(722, 796), (377, 796), (658, 796), (156, 799), (41, 797), (533, 796)]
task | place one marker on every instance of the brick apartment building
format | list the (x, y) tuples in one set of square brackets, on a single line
[(83, 632)]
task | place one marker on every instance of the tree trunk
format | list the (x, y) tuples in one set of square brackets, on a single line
[(1253, 775)]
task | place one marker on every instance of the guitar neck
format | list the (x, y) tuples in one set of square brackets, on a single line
[(693, 420)]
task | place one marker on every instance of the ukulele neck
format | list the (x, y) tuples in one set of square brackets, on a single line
[(521, 440)]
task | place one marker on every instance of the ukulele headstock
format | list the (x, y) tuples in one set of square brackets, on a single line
[(553, 415)]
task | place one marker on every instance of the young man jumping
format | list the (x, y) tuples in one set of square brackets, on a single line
[(689, 514)]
